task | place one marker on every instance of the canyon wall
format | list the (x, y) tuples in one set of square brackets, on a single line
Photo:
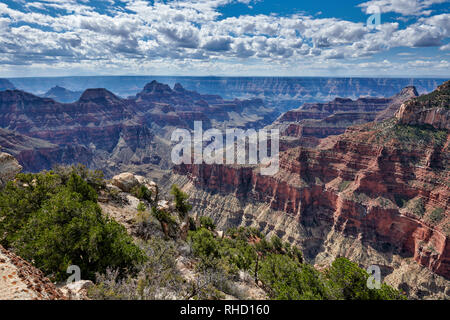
[(321, 120), (104, 131), (378, 194)]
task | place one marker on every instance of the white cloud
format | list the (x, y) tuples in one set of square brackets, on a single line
[(404, 7), (193, 35)]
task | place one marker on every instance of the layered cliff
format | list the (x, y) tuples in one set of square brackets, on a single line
[(385, 186), (36, 154), (321, 120), (432, 109), (107, 132)]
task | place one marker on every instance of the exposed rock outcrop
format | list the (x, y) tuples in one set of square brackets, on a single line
[(432, 109), (126, 181), (19, 280), (9, 167), (77, 290)]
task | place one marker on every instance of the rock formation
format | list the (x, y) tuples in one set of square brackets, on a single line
[(61, 94), (432, 109), (19, 280), (107, 132), (379, 192), (9, 167), (321, 120)]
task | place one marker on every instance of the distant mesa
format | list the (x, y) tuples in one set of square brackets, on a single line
[(100, 96), (61, 94), (155, 87), (5, 84)]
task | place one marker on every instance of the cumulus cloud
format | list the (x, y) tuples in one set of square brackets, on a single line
[(179, 35), (404, 7)]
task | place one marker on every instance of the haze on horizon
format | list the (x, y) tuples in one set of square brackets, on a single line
[(224, 38)]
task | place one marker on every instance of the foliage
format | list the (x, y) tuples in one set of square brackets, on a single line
[(157, 278), (349, 282), (437, 98), (95, 178), (54, 220), (344, 185), (280, 269), (207, 223), (289, 280), (181, 204), (417, 206), (436, 216), (142, 193)]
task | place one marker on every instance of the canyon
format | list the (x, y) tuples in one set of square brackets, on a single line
[(378, 194), (104, 131), (320, 120), (366, 178), (283, 94)]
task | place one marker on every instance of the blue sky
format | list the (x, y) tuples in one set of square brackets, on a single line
[(224, 37)]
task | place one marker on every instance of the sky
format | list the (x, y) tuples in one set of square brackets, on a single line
[(225, 38)]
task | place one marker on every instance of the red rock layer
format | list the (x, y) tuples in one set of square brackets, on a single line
[(328, 180)]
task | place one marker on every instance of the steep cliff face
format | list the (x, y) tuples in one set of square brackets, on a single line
[(321, 120), (384, 185), (36, 154), (360, 185), (432, 109)]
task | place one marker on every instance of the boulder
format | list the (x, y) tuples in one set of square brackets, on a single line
[(149, 184), (77, 290), (125, 181)]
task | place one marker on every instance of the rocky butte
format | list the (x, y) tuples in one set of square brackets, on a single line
[(378, 194), (104, 131)]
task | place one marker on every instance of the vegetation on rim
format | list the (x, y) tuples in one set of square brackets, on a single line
[(53, 220)]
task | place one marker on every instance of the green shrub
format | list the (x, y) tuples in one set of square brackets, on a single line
[(205, 246), (344, 185), (289, 280), (54, 221), (207, 223), (436, 216), (142, 193), (349, 282), (181, 204), (417, 207)]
